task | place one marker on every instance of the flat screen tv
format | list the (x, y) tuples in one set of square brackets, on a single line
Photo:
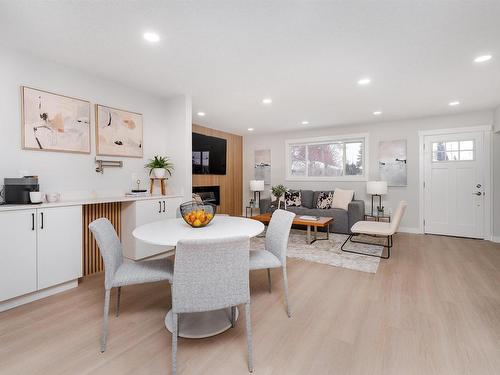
[(209, 154)]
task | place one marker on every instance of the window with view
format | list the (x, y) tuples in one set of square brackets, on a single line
[(327, 158)]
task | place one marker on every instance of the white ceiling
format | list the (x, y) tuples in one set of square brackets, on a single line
[(306, 55)]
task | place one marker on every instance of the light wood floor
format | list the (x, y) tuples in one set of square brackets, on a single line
[(433, 308)]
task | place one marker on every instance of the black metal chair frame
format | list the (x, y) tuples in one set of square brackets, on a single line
[(388, 246)]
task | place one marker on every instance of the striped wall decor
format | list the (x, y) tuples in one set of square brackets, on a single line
[(92, 260)]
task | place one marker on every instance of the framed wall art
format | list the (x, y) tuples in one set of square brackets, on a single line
[(118, 132), (392, 162), (52, 122)]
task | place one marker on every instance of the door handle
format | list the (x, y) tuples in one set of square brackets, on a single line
[(478, 193), (32, 221), (163, 206), (41, 214)]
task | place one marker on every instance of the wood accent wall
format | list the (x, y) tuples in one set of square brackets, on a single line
[(92, 260), (231, 184)]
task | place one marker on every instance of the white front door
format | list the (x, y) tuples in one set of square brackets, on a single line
[(454, 184)]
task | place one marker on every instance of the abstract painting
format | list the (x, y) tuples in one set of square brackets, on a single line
[(118, 132), (392, 162), (52, 122), (263, 166)]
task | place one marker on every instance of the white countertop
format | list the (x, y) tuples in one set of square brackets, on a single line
[(78, 202)]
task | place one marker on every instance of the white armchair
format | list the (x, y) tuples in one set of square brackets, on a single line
[(376, 228)]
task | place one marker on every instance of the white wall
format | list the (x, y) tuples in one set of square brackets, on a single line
[(405, 129), (167, 129)]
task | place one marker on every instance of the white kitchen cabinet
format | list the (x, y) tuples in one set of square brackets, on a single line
[(18, 253), (142, 212), (59, 245)]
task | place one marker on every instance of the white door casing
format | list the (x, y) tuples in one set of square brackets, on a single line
[(454, 184)]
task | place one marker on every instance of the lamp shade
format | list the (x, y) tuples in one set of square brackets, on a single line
[(257, 185), (376, 187)]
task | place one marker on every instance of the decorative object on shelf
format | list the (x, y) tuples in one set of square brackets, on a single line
[(256, 186), (263, 166), (159, 166), (101, 164), (52, 122), (52, 197), (163, 187), (377, 189), (278, 192), (118, 132), (36, 197), (392, 162), (197, 214), (138, 190)]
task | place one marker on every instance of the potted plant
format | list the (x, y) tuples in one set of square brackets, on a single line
[(278, 191), (159, 166)]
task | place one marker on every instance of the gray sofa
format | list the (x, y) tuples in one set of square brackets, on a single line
[(342, 220)]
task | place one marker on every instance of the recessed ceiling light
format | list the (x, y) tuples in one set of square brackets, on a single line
[(364, 81), (151, 37), (250, 129), (454, 103), (377, 113), (267, 101), (201, 114), (305, 122), (482, 58)]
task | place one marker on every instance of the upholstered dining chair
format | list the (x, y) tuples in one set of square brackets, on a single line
[(118, 273), (274, 255), (211, 274), (376, 228)]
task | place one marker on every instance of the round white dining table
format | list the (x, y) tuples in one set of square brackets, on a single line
[(168, 233)]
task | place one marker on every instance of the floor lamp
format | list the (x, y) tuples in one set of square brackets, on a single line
[(256, 186), (376, 189)]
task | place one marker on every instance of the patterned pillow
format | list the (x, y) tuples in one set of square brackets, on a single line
[(325, 200), (293, 198)]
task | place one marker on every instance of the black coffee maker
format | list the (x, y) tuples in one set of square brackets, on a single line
[(17, 190)]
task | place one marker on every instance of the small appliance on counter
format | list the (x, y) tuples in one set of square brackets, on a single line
[(17, 190)]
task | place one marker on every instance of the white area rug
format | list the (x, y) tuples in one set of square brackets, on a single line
[(328, 252)]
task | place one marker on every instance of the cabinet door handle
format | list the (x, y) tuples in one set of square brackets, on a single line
[(41, 214), (163, 206), (160, 207), (32, 221)]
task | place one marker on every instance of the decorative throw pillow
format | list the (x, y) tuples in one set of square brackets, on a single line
[(293, 198), (342, 198), (325, 200)]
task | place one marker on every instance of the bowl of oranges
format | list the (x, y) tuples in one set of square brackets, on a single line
[(197, 214)]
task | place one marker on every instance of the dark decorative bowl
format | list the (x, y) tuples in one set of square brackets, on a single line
[(198, 214)]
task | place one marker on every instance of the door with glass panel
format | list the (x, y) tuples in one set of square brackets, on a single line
[(454, 184)]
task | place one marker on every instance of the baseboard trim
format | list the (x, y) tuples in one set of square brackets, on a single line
[(409, 230), (27, 298), (495, 239)]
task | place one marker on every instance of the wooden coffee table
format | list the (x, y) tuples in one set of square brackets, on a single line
[(322, 222)]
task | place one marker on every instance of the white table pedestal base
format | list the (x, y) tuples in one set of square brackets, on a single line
[(202, 324)]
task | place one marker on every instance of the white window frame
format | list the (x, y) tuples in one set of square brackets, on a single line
[(364, 137)]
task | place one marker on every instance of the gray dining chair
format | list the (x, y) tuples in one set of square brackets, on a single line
[(118, 273), (274, 255), (211, 275)]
